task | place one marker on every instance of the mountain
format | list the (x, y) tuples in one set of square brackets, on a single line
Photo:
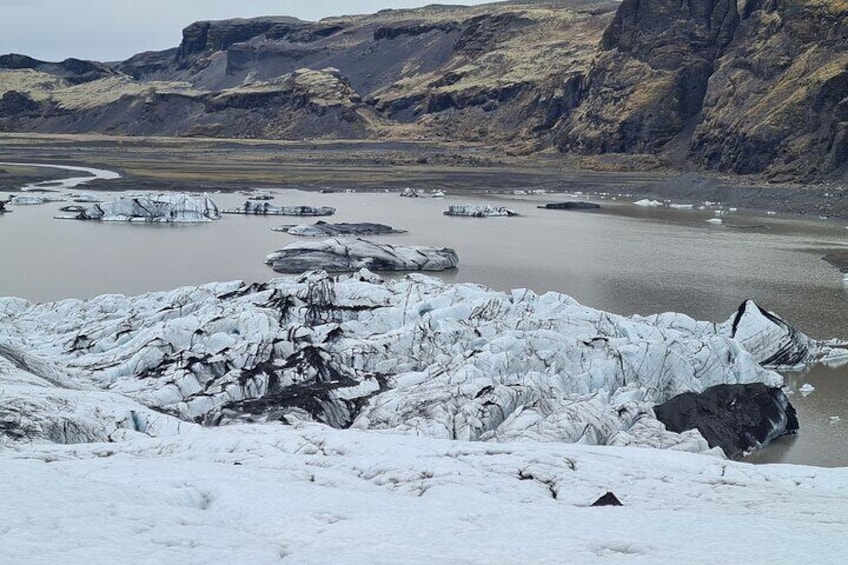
[(755, 86)]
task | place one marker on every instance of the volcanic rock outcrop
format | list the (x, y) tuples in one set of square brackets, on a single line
[(754, 87)]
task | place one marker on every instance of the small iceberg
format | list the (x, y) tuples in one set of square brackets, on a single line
[(479, 211), (338, 255), (645, 203), (410, 193), (152, 208), (251, 208), (33, 199), (323, 229)]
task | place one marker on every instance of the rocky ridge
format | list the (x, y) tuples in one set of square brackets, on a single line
[(757, 87)]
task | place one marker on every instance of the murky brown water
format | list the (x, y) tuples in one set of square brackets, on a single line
[(623, 259)]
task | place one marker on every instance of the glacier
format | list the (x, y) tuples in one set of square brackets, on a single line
[(443, 423), (415, 356)]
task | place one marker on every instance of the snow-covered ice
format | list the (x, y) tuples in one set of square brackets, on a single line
[(416, 356), (308, 494), (459, 399)]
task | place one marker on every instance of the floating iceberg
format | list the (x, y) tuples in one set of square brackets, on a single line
[(410, 193), (266, 209), (351, 254), (323, 229), (479, 211), (33, 199), (154, 208), (646, 203)]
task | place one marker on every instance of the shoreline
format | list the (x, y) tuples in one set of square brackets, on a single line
[(230, 165)]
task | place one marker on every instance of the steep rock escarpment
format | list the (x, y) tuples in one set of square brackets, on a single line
[(501, 73), (757, 86), (650, 76), (753, 87), (778, 101)]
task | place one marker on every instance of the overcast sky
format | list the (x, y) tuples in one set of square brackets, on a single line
[(108, 30)]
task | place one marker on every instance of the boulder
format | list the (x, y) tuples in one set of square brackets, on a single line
[(738, 418), (571, 206)]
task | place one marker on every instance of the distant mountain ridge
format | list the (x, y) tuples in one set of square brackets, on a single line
[(758, 86)]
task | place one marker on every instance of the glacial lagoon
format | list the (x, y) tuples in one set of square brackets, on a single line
[(623, 259)]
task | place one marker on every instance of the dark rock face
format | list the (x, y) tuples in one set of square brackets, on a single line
[(761, 91), (74, 71), (451, 72), (571, 206), (737, 418), (651, 74), (759, 86), (208, 37), (778, 101)]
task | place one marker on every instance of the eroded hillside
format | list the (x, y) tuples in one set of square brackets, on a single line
[(500, 73), (757, 86)]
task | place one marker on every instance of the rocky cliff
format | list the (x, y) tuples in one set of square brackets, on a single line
[(756, 86), (743, 87), (502, 73)]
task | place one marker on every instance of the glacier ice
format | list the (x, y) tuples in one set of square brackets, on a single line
[(346, 254), (416, 356), (166, 207)]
